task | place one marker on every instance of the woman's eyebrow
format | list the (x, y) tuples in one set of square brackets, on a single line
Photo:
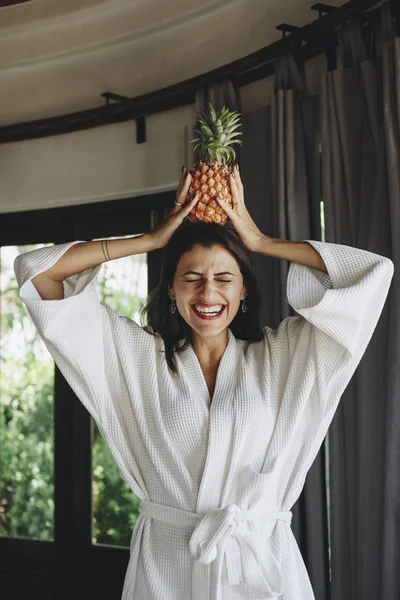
[(201, 274)]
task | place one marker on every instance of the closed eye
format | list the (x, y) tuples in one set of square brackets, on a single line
[(221, 280)]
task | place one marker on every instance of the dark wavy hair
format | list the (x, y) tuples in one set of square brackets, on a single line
[(174, 330)]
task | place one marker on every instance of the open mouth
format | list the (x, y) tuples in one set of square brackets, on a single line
[(208, 313)]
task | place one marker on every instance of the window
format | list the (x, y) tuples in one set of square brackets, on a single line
[(64, 507)]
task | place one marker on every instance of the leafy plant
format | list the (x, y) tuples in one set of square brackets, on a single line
[(26, 426)]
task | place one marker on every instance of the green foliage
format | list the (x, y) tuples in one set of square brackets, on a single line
[(27, 449), (26, 431)]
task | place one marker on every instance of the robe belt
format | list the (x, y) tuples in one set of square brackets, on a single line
[(229, 533)]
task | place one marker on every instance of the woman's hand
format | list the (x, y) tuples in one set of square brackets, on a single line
[(163, 232), (248, 231)]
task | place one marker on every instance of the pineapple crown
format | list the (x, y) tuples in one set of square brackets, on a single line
[(217, 133)]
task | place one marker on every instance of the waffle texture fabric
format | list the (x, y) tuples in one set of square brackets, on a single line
[(216, 479)]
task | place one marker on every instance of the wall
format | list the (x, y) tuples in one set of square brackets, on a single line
[(105, 162)]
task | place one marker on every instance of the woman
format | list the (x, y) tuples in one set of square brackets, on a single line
[(214, 432)]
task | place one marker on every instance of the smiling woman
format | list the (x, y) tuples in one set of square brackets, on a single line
[(208, 273), (215, 439)]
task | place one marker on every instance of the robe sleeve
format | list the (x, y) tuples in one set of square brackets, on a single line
[(79, 332), (317, 353)]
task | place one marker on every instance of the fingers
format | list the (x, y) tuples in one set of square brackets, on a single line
[(182, 179), (182, 191), (188, 207), (225, 206), (185, 208), (238, 179), (187, 179), (236, 186), (175, 209)]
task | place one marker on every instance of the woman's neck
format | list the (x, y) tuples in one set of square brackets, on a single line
[(210, 349)]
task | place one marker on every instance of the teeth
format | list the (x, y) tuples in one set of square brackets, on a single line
[(209, 311)]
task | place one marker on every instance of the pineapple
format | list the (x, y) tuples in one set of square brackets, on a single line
[(210, 176)]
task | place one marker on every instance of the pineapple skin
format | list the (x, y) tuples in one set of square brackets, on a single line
[(209, 179)]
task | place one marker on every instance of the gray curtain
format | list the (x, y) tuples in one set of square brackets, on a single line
[(360, 106), (221, 93), (356, 472), (280, 171)]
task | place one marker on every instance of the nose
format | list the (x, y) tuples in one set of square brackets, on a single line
[(207, 290)]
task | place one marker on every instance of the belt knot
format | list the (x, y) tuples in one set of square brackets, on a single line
[(215, 528), (230, 534)]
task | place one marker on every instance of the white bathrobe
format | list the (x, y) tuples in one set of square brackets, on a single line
[(216, 481)]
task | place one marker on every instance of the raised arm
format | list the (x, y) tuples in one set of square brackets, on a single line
[(86, 255), (301, 253), (297, 252)]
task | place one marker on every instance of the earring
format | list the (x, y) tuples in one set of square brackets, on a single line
[(172, 307), (244, 305)]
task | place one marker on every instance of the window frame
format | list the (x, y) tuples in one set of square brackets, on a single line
[(71, 564)]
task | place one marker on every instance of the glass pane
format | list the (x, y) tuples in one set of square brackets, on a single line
[(26, 415), (122, 285)]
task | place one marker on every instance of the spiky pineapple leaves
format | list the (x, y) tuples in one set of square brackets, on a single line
[(217, 134)]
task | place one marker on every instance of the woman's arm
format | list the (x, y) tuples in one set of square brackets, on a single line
[(86, 255), (298, 252), (83, 256)]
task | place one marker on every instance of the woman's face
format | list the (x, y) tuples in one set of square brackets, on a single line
[(208, 287)]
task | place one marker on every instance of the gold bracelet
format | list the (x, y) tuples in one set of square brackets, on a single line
[(104, 244), (108, 254), (102, 247)]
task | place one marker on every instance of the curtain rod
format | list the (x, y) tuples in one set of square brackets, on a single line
[(245, 70)]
